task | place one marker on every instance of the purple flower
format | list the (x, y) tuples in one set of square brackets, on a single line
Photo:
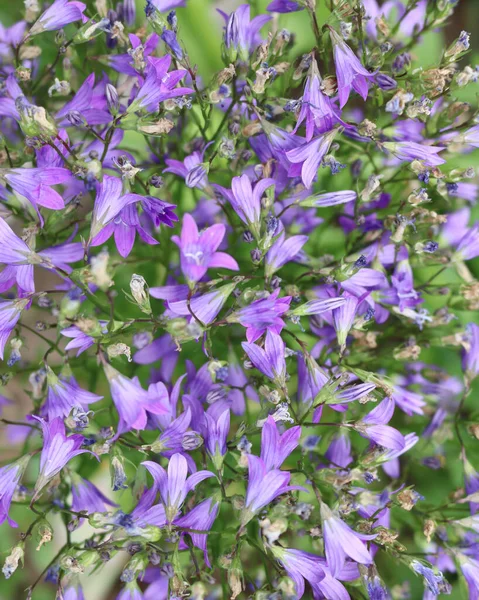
[(409, 151), (275, 448), (201, 518), (58, 449), (300, 566), (242, 34), (63, 395), (215, 433), (317, 109), (10, 311), (471, 481), (263, 487), (158, 211), (349, 71), (246, 200), (343, 319), (13, 250), (132, 402), (198, 250), (59, 14), (329, 199), (10, 476), (35, 185), (470, 570), (89, 103), (373, 426), (270, 360), (174, 484), (169, 37), (307, 158), (87, 497), (158, 86), (283, 251), (340, 541), (124, 228), (204, 307), (164, 5), (262, 315), (73, 592), (109, 202), (79, 339), (284, 6), (191, 169)]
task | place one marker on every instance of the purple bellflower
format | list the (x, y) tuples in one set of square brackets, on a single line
[(262, 315), (174, 484), (190, 168), (63, 395), (201, 518), (264, 486), (87, 497), (246, 200), (317, 109), (215, 433), (109, 202), (270, 360), (204, 307), (198, 250), (350, 73), (409, 151), (283, 251), (10, 311), (10, 476), (241, 32), (132, 402), (305, 160), (340, 541), (275, 448), (373, 426), (58, 449), (57, 15), (299, 566)]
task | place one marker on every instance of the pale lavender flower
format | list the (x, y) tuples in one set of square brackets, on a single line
[(190, 168), (373, 426), (10, 476), (204, 307), (10, 311), (109, 202), (263, 487), (270, 360), (246, 200), (79, 339), (198, 250), (350, 73), (57, 15), (305, 160), (63, 395), (159, 85), (201, 518), (340, 541), (317, 109), (133, 414), (283, 251), (275, 448), (174, 484), (409, 151), (215, 433), (241, 32), (329, 199), (87, 497), (58, 449), (36, 185), (343, 318), (262, 315), (299, 566)]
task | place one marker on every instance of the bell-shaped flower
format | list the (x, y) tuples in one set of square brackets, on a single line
[(10, 476), (276, 447), (200, 518), (174, 484), (198, 250), (340, 541), (58, 449), (270, 360)]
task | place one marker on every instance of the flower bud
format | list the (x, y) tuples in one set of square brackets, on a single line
[(140, 294), (112, 99)]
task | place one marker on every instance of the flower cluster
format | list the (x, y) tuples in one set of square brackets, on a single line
[(238, 333)]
